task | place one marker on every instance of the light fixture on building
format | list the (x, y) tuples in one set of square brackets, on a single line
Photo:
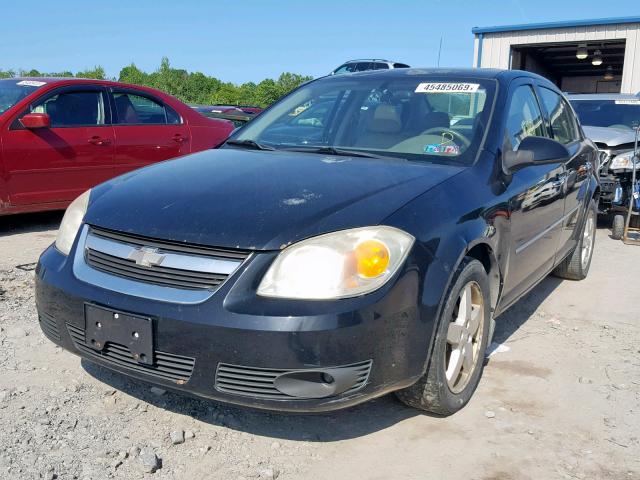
[(582, 52), (597, 58), (609, 73)]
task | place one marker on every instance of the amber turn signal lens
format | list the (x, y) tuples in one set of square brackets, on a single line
[(372, 258)]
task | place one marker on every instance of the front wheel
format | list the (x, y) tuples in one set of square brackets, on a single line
[(576, 265), (457, 357)]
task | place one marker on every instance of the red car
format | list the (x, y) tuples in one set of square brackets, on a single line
[(59, 137)]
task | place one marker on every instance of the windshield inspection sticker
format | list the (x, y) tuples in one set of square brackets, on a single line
[(627, 102), (447, 88), (442, 149), (31, 83), (445, 147)]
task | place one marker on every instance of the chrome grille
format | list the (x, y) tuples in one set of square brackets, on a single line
[(259, 382), (167, 366), (171, 264), (169, 277)]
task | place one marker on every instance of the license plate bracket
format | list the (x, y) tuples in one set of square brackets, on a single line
[(104, 325)]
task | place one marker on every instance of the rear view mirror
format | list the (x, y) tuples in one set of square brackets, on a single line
[(534, 150), (36, 120)]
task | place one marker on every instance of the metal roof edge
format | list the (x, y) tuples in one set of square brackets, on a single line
[(561, 24)]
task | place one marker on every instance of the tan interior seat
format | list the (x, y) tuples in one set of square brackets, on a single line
[(383, 128)]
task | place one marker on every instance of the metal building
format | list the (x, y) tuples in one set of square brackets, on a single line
[(585, 56)]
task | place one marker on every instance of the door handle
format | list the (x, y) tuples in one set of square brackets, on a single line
[(179, 138), (96, 140)]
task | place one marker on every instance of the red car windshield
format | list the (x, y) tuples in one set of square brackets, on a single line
[(13, 90)]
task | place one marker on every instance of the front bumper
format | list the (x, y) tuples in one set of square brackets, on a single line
[(385, 336)]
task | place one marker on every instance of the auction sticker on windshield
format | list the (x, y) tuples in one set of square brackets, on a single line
[(31, 83), (448, 87), (627, 102)]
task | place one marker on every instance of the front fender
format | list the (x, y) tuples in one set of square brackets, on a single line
[(448, 234)]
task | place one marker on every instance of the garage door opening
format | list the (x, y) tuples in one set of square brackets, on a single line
[(575, 67)]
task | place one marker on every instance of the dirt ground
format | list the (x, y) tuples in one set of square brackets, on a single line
[(563, 401)]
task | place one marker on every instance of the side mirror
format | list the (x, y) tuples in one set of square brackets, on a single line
[(36, 120), (534, 150)]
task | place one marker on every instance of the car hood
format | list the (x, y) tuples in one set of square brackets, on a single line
[(612, 137), (258, 199)]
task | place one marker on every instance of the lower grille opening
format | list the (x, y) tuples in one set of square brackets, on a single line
[(286, 384), (49, 327), (167, 366)]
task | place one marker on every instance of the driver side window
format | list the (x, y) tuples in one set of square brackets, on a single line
[(524, 118), (73, 109)]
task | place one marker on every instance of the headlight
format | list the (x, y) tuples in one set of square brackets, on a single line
[(337, 265), (623, 161), (71, 222)]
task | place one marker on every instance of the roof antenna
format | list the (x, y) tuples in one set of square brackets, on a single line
[(439, 51)]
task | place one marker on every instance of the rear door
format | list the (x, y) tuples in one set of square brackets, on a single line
[(564, 129), (536, 197), (52, 165), (147, 130)]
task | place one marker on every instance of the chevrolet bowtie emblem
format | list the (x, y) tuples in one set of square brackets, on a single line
[(146, 257)]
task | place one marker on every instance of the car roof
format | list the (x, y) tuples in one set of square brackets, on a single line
[(603, 96), (73, 80), (481, 73), (63, 79), (368, 60)]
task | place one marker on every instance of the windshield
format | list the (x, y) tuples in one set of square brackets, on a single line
[(624, 114), (12, 91), (416, 117)]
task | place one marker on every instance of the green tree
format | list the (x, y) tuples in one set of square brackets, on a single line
[(132, 74), (268, 91), (30, 73), (190, 87), (96, 72), (288, 81)]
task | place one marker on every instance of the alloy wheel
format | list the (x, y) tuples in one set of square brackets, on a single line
[(464, 337), (587, 240)]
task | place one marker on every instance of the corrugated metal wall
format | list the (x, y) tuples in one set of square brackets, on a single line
[(496, 47)]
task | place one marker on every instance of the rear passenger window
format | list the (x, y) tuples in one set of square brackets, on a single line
[(172, 116), (561, 117), (524, 118), (135, 109), (364, 66), (73, 109)]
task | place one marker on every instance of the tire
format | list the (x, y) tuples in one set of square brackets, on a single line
[(617, 231), (576, 265), (435, 392)]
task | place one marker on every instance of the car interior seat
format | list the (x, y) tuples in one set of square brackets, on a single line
[(383, 128), (421, 117), (126, 111), (73, 109), (435, 119)]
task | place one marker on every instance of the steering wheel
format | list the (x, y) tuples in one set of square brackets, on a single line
[(442, 130)]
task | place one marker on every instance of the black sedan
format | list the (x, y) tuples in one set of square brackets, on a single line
[(312, 265)]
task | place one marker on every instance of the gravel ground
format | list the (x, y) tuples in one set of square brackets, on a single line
[(560, 398)]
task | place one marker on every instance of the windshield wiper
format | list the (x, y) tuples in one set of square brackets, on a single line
[(342, 152), (249, 144)]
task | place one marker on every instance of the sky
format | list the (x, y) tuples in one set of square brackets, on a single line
[(249, 40)]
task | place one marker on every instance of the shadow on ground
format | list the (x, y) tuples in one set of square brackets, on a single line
[(353, 422), (29, 222), (510, 321)]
